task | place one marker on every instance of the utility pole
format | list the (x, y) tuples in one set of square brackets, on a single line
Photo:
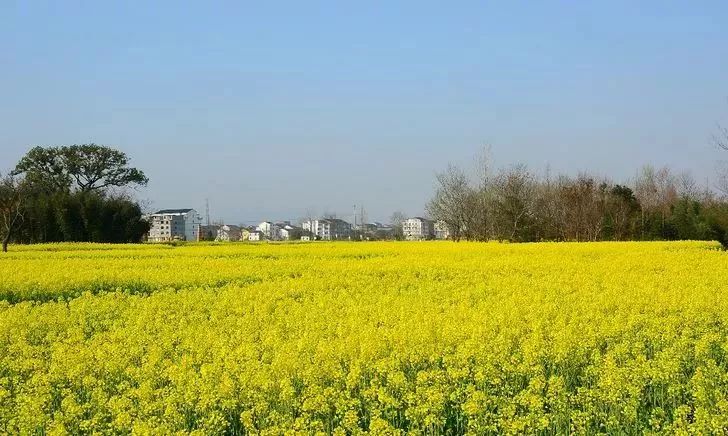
[(207, 212)]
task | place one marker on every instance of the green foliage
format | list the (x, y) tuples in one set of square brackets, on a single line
[(85, 168), (44, 169), (82, 217), (67, 198)]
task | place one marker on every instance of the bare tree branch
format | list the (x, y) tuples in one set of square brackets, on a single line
[(12, 199), (720, 139)]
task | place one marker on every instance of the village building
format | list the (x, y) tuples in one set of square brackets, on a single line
[(418, 228), (256, 235), (229, 233), (287, 232), (328, 229), (174, 225), (442, 231), (269, 229)]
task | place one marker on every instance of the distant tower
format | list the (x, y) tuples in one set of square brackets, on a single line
[(354, 216), (207, 211)]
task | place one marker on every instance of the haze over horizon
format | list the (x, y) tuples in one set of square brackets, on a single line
[(271, 111)]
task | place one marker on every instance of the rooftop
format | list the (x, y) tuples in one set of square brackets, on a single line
[(172, 211)]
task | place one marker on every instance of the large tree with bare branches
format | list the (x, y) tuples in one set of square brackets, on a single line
[(513, 202), (453, 201), (12, 197), (721, 137)]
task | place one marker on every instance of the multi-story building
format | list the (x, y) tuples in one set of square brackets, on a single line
[(418, 228), (442, 231), (270, 230), (174, 225), (328, 229)]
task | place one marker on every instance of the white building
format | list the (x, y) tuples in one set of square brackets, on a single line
[(418, 228), (442, 231), (174, 225), (328, 229), (256, 235), (287, 232), (228, 233), (270, 230)]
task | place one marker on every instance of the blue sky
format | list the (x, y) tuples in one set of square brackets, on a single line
[(272, 109)]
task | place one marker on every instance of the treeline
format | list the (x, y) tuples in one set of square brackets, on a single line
[(71, 193), (516, 204), (80, 216)]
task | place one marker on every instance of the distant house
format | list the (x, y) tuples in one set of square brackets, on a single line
[(368, 227), (228, 233), (245, 233), (442, 231), (418, 228), (328, 229), (256, 235), (174, 225), (375, 231), (269, 229), (288, 232)]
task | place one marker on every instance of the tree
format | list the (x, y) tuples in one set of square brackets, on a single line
[(687, 187), (85, 168), (622, 210), (396, 220), (478, 199), (514, 199), (306, 223), (44, 169), (67, 196), (549, 209), (657, 193), (720, 138), (514, 204), (476, 214), (722, 177), (584, 215), (453, 201), (12, 198)]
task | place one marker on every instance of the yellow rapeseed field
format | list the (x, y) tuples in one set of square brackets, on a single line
[(351, 338)]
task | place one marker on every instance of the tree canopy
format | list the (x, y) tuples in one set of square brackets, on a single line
[(61, 193), (83, 168)]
